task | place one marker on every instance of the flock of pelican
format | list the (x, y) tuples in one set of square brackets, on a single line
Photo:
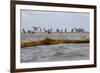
[(39, 29)]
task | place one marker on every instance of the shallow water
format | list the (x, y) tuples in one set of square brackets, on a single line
[(59, 52), (62, 35)]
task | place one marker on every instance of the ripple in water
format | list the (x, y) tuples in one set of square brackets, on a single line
[(59, 52)]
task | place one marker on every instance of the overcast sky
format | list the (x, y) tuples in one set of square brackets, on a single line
[(54, 20)]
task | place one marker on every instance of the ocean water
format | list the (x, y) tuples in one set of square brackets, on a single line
[(26, 36), (57, 52)]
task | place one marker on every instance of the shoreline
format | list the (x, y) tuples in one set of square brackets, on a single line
[(51, 41), (56, 33)]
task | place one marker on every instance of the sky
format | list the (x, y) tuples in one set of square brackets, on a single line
[(54, 20)]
